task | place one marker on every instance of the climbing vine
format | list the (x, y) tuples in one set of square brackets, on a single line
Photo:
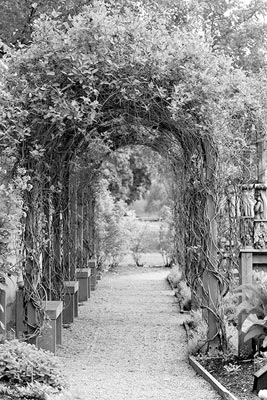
[(108, 77)]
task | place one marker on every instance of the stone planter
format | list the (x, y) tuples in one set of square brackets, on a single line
[(92, 266), (70, 301), (51, 335), (84, 278)]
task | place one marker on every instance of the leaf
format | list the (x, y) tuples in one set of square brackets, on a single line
[(255, 332), (55, 14), (250, 321), (264, 343)]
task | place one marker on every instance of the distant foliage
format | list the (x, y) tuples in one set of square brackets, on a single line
[(113, 227), (156, 197), (128, 173), (167, 232)]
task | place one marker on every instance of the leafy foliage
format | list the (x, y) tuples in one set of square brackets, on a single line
[(255, 301), (197, 333), (18, 17), (254, 328), (255, 307), (235, 27), (113, 227), (128, 173), (28, 372), (122, 74), (167, 232)]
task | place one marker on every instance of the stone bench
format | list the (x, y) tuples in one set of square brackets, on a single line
[(70, 311), (52, 331)]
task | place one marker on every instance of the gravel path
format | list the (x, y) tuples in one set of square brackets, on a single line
[(128, 343)]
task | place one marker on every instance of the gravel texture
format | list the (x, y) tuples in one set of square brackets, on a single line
[(129, 343)]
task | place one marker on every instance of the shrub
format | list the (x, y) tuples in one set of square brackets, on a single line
[(175, 276), (229, 305), (197, 333), (28, 372), (256, 299), (254, 307), (180, 287)]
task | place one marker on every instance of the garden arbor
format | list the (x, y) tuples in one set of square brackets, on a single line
[(106, 78)]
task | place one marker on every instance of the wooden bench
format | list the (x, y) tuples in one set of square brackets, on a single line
[(83, 276), (70, 301), (52, 331)]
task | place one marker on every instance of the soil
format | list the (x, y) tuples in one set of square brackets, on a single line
[(129, 343), (234, 374)]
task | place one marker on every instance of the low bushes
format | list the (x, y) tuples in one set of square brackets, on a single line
[(28, 373), (180, 287)]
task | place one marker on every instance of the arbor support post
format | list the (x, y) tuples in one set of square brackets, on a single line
[(70, 301), (52, 332), (211, 286), (92, 266), (73, 224), (84, 278)]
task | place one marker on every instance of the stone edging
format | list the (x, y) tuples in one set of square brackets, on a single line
[(226, 395)]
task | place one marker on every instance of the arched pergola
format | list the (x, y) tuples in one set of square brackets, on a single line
[(106, 79)]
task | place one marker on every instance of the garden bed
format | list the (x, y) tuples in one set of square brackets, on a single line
[(234, 374)]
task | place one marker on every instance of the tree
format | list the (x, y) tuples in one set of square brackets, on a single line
[(129, 171), (238, 29), (18, 16)]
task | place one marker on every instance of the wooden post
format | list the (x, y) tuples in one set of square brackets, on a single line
[(3, 303), (80, 226), (262, 160), (20, 314), (212, 295), (57, 238), (86, 246), (73, 224), (245, 277), (52, 331), (66, 224)]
